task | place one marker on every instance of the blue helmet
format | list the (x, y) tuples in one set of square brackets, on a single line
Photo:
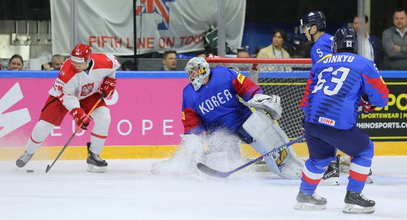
[(316, 18), (345, 39)]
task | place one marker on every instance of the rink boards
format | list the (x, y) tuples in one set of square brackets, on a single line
[(146, 116)]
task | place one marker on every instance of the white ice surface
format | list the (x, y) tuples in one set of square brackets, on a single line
[(129, 191)]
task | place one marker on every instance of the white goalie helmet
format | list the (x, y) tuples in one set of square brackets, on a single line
[(197, 70)]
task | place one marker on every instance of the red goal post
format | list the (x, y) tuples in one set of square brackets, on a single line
[(257, 63), (284, 77)]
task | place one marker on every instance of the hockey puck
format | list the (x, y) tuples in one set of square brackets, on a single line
[(30, 171)]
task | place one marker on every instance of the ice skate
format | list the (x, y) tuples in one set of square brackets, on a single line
[(23, 159), (331, 175), (95, 163), (356, 203), (310, 202), (369, 179)]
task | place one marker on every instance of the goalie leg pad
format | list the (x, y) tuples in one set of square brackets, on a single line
[(268, 135), (184, 159)]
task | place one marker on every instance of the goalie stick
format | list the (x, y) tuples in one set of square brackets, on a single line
[(73, 135), (212, 172)]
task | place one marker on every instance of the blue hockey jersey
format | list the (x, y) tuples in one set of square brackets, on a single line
[(334, 87), (216, 104), (321, 48)]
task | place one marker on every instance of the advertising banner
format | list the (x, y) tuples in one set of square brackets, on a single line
[(108, 26), (390, 122), (144, 111)]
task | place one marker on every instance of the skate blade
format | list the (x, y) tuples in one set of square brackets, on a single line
[(369, 180), (333, 181), (356, 209), (96, 169), (308, 206)]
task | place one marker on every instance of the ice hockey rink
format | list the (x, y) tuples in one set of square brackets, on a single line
[(130, 191)]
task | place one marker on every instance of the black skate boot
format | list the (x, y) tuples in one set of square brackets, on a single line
[(95, 163), (331, 175), (310, 202), (358, 204), (23, 159)]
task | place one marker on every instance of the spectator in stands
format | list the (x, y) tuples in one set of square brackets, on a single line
[(201, 54), (46, 66), (57, 61), (275, 50), (371, 43), (394, 41), (242, 54), (128, 65), (169, 61), (16, 62)]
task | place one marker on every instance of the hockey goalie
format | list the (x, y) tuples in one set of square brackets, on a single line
[(217, 117)]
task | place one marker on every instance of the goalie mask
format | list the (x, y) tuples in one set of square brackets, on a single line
[(197, 70)]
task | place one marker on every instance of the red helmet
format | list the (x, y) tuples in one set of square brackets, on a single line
[(81, 53)]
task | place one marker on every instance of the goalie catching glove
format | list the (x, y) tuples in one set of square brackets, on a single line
[(80, 117), (271, 104)]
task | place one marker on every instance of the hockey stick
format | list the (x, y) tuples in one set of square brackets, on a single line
[(212, 172), (76, 130)]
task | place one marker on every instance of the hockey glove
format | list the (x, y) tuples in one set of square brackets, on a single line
[(108, 85), (365, 105), (271, 104), (80, 117)]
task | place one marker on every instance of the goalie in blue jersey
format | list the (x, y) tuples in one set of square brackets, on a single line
[(219, 100), (339, 88)]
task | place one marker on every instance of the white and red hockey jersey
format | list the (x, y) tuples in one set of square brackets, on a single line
[(72, 85)]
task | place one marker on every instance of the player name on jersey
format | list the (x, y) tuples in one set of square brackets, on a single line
[(339, 58)]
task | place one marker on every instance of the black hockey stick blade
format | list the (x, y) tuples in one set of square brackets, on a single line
[(48, 168), (211, 172)]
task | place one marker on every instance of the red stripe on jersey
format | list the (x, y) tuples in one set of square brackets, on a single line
[(98, 136), (190, 119), (67, 71), (306, 93), (245, 87), (377, 83), (358, 176), (309, 180)]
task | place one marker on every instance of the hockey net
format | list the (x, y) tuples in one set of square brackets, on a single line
[(283, 77)]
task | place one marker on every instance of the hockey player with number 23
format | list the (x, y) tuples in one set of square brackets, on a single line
[(340, 87), (82, 80), (211, 103)]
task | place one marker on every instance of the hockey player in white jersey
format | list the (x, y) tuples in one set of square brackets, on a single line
[(83, 78)]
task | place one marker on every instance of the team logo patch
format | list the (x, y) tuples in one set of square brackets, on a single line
[(326, 121), (240, 78), (87, 89)]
